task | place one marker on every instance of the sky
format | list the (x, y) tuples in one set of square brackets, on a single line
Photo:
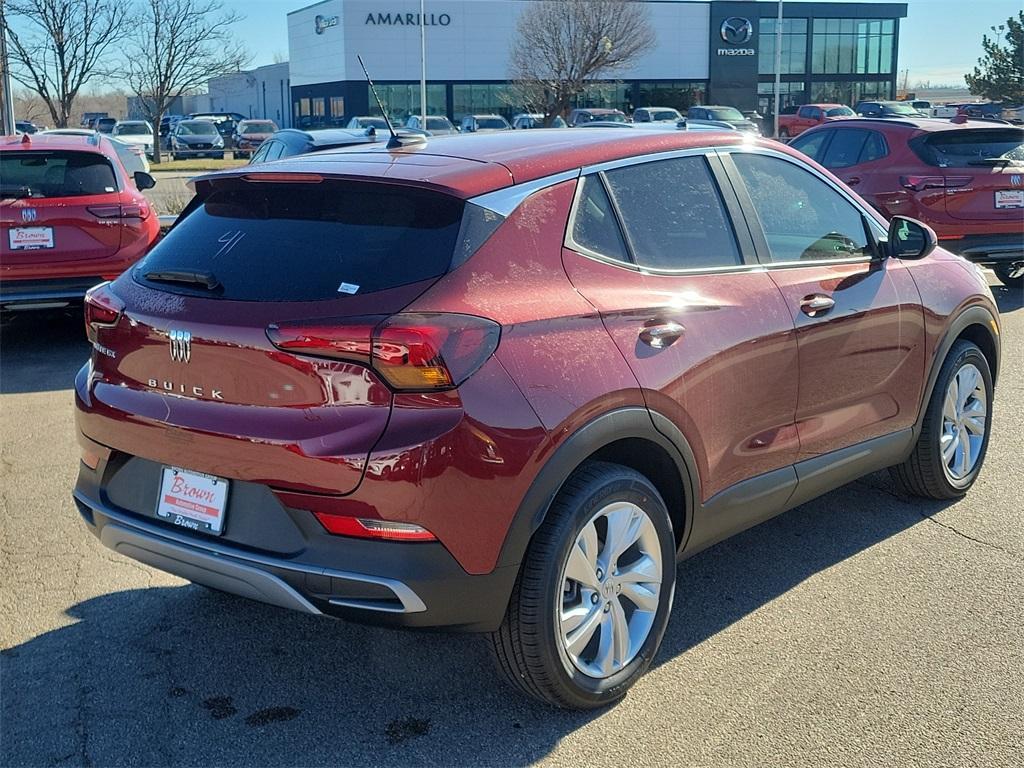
[(940, 40)]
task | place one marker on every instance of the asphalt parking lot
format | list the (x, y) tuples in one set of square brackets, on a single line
[(862, 629)]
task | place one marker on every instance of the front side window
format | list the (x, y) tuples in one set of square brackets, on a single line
[(812, 143), (804, 219), (673, 215)]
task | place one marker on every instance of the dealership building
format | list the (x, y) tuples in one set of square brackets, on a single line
[(709, 52)]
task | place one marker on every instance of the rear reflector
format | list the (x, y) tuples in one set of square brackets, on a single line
[(367, 528), (102, 309), (412, 352)]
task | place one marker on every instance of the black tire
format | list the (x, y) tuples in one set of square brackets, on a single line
[(924, 473), (1006, 274), (527, 646)]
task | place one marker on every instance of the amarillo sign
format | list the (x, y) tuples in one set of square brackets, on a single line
[(407, 19)]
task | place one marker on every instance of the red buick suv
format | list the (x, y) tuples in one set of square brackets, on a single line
[(71, 216), (504, 383), (964, 178)]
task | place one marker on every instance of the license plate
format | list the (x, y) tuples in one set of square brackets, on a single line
[(30, 238), (1010, 198), (192, 500)]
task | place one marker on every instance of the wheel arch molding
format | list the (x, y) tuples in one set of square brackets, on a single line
[(632, 436), (975, 324)]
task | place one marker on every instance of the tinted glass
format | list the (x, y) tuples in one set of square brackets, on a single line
[(875, 148), (845, 148), (839, 112), (966, 147), (673, 215), (594, 226), (802, 216), (811, 144), (300, 242), (261, 127), (55, 174), (132, 129), (196, 128), (806, 112), (725, 113), (491, 122)]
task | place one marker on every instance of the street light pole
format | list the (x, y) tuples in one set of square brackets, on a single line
[(423, 65), (7, 118), (778, 69)]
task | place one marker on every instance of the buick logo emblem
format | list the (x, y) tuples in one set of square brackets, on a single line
[(736, 30), (1015, 180), (29, 214), (181, 345)]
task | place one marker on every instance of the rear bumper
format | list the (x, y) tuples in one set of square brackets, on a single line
[(14, 292), (388, 583), (987, 249)]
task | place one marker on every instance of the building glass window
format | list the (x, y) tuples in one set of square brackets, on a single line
[(851, 92), (337, 110), (678, 94), (794, 46), (403, 99), (605, 95), (480, 99), (791, 94), (852, 46)]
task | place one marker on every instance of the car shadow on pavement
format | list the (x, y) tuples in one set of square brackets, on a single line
[(183, 675), (41, 350)]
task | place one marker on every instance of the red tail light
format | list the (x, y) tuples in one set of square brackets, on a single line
[(412, 352), (139, 210), (921, 183), (102, 309)]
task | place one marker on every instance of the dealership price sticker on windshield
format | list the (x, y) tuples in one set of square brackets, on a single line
[(30, 238), (193, 500)]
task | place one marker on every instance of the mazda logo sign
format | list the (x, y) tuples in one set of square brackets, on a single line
[(181, 345), (736, 30)]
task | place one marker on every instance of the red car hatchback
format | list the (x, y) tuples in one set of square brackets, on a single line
[(964, 178), (70, 217), (503, 383)]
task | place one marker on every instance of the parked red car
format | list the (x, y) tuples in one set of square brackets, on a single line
[(501, 383), (810, 115), (70, 217), (964, 178)]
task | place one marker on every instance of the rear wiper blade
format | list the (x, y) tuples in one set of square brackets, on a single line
[(185, 276)]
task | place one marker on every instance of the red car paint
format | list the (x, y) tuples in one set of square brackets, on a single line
[(753, 387), (96, 237)]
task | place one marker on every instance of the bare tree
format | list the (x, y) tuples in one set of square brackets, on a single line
[(57, 46), (179, 45), (561, 45)]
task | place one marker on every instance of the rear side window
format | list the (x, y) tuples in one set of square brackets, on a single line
[(804, 219), (673, 215), (845, 148), (307, 242), (594, 226), (55, 174), (972, 147)]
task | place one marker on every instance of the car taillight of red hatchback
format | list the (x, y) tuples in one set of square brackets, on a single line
[(504, 383), (70, 217)]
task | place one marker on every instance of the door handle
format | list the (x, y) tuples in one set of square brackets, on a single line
[(660, 335), (853, 181), (816, 304)]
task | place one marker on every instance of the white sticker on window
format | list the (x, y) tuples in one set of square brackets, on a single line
[(347, 288)]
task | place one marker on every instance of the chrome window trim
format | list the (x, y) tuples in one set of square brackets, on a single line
[(650, 157), (504, 201)]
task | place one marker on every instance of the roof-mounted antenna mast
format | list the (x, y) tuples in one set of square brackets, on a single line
[(394, 142)]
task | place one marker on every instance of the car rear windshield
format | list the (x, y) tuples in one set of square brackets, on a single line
[(726, 113), (307, 241), (839, 112), (972, 147), (665, 115), (132, 129), (55, 174), (491, 122), (258, 128)]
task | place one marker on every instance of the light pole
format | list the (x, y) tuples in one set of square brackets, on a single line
[(7, 121), (423, 64), (778, 69)]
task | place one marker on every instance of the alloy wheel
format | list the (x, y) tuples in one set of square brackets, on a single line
[(963, 422), (611, 584)]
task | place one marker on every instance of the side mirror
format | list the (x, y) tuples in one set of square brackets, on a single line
[(143, 180), (910, 239)]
